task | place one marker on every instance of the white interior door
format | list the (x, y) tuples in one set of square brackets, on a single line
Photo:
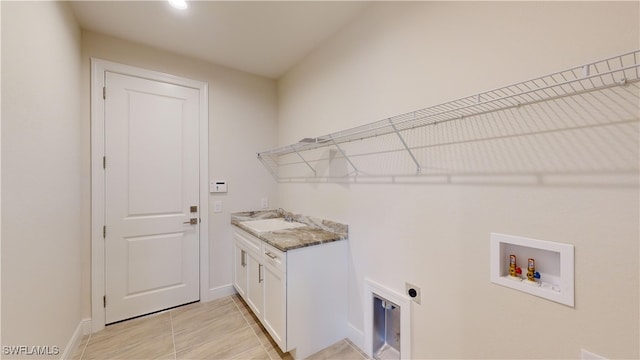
[(151, 185)]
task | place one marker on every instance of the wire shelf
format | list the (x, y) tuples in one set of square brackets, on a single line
[(583, 120)]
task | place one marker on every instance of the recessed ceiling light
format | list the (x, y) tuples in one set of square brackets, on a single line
[(179, 4)]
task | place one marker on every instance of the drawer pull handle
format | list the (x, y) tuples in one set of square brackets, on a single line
[(271, 255)]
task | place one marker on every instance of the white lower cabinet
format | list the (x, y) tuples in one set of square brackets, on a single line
[(240, 269), (255, 286), (275, 305), (299, 296)]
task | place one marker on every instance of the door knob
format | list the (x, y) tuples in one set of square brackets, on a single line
[(192, 221)]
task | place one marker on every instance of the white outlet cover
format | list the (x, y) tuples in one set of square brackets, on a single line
[(417, 299)]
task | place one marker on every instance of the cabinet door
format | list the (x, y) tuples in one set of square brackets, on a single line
[(240, 270), (275, 305), (255, 285)]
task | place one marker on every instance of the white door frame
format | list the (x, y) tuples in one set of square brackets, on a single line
[(98, 68)]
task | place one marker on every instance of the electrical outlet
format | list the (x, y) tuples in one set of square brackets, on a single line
[(264, 202), (413, 292)]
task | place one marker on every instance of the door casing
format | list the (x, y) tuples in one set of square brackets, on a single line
[(98, 68)]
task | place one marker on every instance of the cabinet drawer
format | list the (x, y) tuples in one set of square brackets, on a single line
[(274, 257), (248, 241)]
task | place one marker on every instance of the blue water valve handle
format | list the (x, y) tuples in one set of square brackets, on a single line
[(536, 275)]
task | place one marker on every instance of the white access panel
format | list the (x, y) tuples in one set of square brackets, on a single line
[(554, 261)]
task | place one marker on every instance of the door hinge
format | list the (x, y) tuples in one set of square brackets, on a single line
[(104, 92), (104, 231), (104, 162), (104, 301)]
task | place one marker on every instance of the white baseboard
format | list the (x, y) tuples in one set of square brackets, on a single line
[(86, 326), (356, 336), (219, 292), (83, 328)]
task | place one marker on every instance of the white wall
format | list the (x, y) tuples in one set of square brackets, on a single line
[(242, 120), (41, 169), (399, 57)]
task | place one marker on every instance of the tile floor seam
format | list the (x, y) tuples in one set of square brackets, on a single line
[(251, 327), (85, 346), (217, 355), (109, 343), (173, 337), (357, 349), (239, 356)]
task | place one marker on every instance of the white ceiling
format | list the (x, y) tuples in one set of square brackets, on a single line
[(261, 37)]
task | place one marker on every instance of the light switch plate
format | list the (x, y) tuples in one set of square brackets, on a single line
[(217, 206)]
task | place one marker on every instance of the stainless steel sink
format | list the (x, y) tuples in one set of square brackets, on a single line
[(271, 225)]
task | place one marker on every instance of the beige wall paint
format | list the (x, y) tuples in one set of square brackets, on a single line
[(399, 57), (242, 120), (41, 169)]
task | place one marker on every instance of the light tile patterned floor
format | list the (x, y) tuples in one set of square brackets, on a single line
[(220, 329)]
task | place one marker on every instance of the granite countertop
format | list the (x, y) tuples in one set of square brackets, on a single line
[(315, 232)]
